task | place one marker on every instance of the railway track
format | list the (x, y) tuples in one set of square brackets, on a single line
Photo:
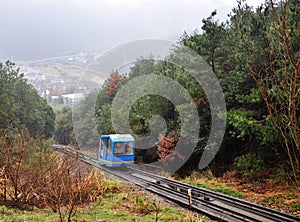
[(224, 205), (213, 204)]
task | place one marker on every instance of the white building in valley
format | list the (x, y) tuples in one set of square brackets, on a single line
[(72, 99)]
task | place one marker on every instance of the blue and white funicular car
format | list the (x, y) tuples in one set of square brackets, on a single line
[(116, 150)]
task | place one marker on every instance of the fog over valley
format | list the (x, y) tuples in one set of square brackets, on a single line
[(39, 29)]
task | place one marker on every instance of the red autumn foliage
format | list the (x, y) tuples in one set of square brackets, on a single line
[(165, 145), (113, 84), (200, 101)]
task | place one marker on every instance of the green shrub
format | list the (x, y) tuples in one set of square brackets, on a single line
[(249, 164)]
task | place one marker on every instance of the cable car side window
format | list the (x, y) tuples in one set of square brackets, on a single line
[(123, 148), (109, 146)]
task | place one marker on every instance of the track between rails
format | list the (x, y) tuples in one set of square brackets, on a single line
[(213, 204)]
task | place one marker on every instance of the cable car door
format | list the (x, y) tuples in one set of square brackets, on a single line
[(103, 148)]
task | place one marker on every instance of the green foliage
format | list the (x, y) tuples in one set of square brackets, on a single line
[(103, 103), (21, 108), (64, 133), (194, 183), (249, 164), (249, 42), (103, 116), (295, 206), (216, 187), (270, 35), (245, 126), (84, 123), (229, 191), (254, 97), (142, 205), (209, 42), (246, 113), (282, 175)]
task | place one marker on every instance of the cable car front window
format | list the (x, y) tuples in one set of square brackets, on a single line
[(123, 148), (103, 144)]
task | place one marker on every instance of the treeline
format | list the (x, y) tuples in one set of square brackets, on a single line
[(255, 55), (21, 108)]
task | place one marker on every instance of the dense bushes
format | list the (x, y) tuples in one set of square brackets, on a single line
[(33, 175), (249, 164)]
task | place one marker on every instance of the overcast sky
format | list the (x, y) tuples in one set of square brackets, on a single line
[(35, 29)]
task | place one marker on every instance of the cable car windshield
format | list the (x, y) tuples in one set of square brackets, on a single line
[(123, 148)]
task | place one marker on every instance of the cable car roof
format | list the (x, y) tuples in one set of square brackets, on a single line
[(119, 137)]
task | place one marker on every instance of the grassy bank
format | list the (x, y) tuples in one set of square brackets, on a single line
[(130, 204)]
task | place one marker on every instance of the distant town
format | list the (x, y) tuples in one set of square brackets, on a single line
[(56, 80)]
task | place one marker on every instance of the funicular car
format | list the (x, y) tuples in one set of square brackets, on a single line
[(116, 150)]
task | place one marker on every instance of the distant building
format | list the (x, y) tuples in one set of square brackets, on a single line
[(57, 81), (54, 98), (31, 77), (72, 99)]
